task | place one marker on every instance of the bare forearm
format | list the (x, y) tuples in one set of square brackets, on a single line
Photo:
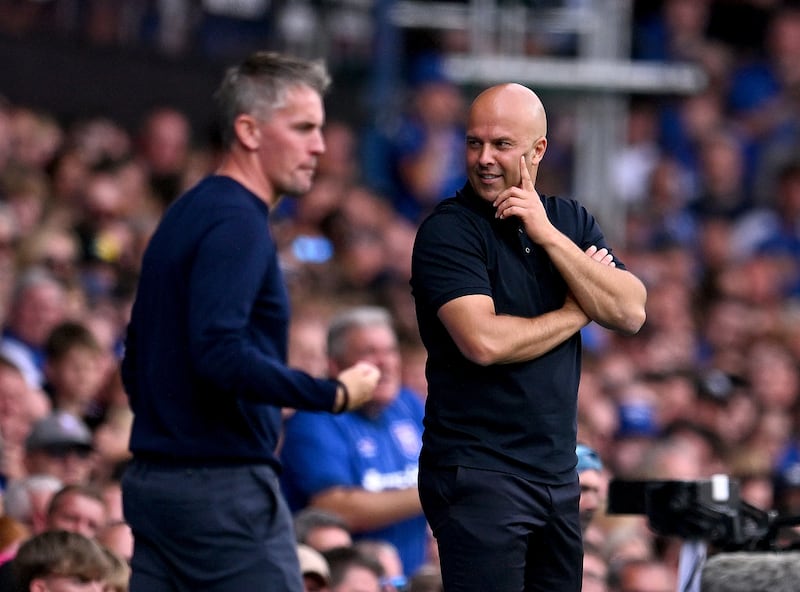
[(539, 335), (488, 338), (368, 510), (612, 297)]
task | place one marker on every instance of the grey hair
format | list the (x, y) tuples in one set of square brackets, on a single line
[(34, 277), (310, 518), (352, 318), (259, 85)]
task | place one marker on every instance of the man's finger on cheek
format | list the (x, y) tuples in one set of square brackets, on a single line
[(524, 173)]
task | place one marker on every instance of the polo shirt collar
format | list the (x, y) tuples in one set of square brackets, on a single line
[(473, 201), (470, 199)]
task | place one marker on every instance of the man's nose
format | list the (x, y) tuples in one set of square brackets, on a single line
[(486, 155)]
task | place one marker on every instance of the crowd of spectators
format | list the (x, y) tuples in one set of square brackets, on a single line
[(711, 187)]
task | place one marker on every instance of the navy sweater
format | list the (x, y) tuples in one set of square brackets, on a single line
[(205, 352)]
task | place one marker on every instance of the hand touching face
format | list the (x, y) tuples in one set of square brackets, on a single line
[(506, 123), (523, 202)]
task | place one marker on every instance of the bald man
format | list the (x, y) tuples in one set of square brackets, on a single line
[(504, 279)]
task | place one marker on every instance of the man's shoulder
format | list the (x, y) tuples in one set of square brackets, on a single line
[(450, 212), (557, 204), (447, 207)]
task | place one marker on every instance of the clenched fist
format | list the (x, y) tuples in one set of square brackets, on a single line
[(358, 382)]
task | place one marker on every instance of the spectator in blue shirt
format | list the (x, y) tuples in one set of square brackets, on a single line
[(363, 465)]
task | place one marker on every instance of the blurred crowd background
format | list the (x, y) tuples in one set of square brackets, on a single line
[(104, 120)]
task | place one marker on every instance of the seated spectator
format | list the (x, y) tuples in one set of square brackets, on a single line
[(38, 304), (56, 249), (77, 508), (314, 569), (592, 479), (387, 555), (73, 509), (60, 445), (74, 371), (353, 570), (363, 465), (321, 530), (20, 407), (53, 560)]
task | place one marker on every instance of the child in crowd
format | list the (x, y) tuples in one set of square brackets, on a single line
[(74, 371)]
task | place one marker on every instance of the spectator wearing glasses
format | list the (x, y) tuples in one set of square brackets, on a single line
[(393, 579)]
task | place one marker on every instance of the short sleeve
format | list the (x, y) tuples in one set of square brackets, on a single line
[(449, 260)]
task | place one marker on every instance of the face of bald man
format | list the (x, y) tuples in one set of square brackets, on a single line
[(505, 122)]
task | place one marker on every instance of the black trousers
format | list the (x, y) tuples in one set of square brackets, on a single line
[(498, 532), (216, 529)]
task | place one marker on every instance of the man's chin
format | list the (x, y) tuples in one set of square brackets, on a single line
[(488, 194)]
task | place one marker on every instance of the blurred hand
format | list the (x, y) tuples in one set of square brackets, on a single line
[(360, 380)]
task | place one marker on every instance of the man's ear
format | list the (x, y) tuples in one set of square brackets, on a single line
[(248, 131), (38, 585), (537, 152)]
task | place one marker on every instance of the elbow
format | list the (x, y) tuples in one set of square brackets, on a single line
[(631, 320), (634, 322), (480, 352), (632, 314)]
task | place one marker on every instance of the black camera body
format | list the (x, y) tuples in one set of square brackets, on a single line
[(709, 510)]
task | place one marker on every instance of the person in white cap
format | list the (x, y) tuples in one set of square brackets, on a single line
[(314, 568)]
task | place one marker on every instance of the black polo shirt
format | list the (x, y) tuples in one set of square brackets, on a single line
[(519, 418)]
